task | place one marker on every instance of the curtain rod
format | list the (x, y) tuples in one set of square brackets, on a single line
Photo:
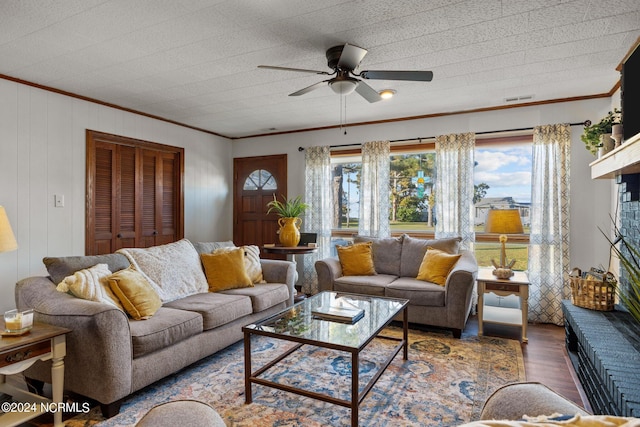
[(357, 144)]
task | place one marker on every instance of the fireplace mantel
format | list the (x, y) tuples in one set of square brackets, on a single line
[(625, 159)]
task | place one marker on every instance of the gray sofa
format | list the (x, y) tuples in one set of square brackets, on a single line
[(110, 356), (397, 261)]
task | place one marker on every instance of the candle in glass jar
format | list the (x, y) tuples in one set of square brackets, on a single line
[(13, 322)]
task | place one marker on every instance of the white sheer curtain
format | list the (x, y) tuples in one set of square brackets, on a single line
[(318, 217), (549, 236), (454, 187), (374, 189)]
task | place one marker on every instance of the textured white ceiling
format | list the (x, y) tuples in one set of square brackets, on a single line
[(195, 61)]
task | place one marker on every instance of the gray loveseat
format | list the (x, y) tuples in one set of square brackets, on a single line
[(110, 356), (397, 262)]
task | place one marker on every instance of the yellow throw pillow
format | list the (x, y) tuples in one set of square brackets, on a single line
[(135, 293), (226, 270), (252, 263), (356, 260), (436, 265)]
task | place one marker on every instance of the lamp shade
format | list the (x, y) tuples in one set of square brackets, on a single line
[(504, 221), (7, 239)]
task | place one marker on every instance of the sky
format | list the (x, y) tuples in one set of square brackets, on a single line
[(507, 171), (505, 168)]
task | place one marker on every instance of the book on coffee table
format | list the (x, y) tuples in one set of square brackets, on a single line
[(339, 311)]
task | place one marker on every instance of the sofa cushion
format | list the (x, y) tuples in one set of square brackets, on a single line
[(436, 265), (174, 270), (413, 251), (263, 295), (386, 253), (91, 284), (215, 308), (167, 327), (225, 269), (369, 285), (357, 259), (135, 293), (417, 292), (61, 267)]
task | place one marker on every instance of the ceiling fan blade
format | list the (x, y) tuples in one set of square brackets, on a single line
[(309, 88), (299, 70), (420, 76), (367, 92), (351, 57)]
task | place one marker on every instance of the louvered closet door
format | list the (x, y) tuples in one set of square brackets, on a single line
[(134, 194), (158, 198), (100, 227)]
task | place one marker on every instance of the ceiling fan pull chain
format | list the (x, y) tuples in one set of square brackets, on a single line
[(341, 113), (345, 114)]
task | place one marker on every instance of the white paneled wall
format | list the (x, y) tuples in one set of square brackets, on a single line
[(42, 153)]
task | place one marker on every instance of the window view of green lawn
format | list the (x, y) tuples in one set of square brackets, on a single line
[(502, 180)]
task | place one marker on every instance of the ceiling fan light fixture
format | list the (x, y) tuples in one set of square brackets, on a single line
[(387, 93), (343, 87)]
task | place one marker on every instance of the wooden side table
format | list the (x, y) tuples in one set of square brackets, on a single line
[(17, 353), (518, 285), (291, 252)]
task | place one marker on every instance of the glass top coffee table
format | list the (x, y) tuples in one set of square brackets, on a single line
[(298, 324)]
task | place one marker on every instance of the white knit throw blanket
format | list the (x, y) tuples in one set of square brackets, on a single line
[(174, 270)]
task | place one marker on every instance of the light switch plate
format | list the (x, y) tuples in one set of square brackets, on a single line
[(59, 200)]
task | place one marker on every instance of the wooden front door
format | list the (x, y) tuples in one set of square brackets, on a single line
[(256, 180)]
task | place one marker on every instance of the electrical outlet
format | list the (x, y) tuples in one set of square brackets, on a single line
[(59, 200)]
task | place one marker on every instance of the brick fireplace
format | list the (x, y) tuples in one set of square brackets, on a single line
[(604, 347)]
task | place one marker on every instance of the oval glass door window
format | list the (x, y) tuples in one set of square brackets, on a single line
[(260, 179)]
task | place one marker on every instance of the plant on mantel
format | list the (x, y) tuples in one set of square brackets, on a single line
[(591, 133)]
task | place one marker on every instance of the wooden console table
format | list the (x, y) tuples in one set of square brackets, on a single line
[(17, 353)]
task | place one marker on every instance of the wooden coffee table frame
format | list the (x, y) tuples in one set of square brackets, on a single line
[(356, 398)]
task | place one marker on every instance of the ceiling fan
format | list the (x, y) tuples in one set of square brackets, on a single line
[(343, 60)]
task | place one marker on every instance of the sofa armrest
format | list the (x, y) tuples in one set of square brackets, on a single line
[(98, 347), (328, 270), (459, 288), (277, 271)]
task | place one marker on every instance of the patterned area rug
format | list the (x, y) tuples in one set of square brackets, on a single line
[(444, 383)]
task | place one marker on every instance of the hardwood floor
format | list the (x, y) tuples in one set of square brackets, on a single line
[(545, 360), (545, 357)]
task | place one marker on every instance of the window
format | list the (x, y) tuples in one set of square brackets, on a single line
[(346, 192), (260, 179), (502, 179), (412, 204), (411, 184)]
